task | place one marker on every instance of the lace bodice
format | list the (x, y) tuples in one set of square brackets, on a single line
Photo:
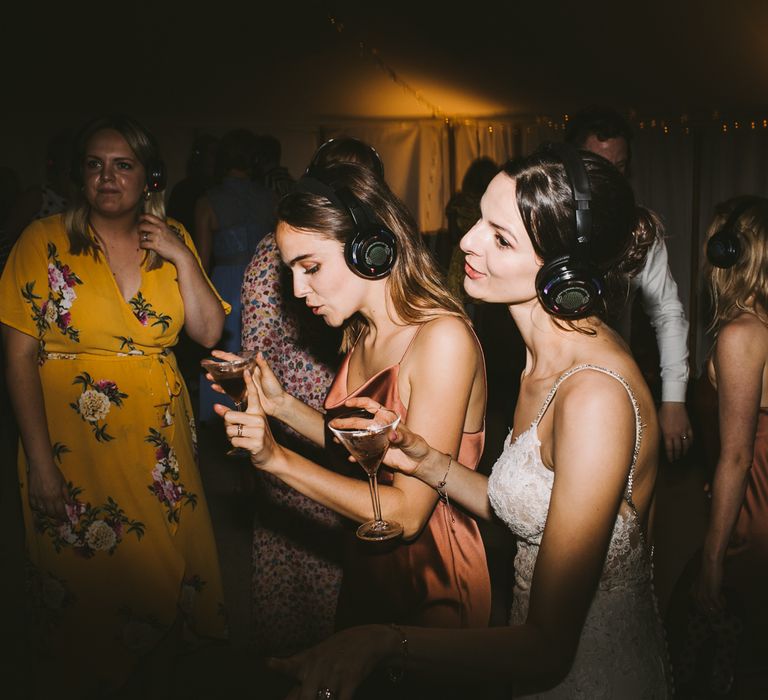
[(623, 622), (520, 488)]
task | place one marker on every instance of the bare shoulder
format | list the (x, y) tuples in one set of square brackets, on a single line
[(594, 414), (742, 333), (591, 392), (741, 348), (445, 336)]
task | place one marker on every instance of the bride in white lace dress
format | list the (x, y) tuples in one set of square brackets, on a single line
[(558, 238)]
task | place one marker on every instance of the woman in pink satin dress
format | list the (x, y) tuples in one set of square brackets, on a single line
[(734, 565), (358, 262)]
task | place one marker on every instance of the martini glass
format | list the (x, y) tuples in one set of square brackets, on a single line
[(228, 374), (366, 437)]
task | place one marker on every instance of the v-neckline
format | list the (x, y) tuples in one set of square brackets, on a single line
[(105, 259)]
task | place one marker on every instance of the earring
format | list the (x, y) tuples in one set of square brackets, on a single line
[(147, 195)]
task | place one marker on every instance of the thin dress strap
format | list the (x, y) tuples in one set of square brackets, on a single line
[(477, 342), (412, 341), (635, 406), (407, 349)]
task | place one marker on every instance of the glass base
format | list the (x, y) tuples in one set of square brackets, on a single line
[(378, 530)]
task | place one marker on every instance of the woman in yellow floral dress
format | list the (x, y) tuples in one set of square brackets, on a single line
[(119, 538)]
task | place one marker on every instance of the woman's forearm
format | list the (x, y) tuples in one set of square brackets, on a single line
[(204, 315), (728, 489), (302, 418), (462, 486), (26, 393), (347, 496)]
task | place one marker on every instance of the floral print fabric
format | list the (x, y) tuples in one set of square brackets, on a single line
[(296, 572), (137, 544)]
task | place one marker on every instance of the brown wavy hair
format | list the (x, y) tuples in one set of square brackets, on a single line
[(77, 216), (743, 286), (416, 286)]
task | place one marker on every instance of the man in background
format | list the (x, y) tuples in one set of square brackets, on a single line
[(605, 132)]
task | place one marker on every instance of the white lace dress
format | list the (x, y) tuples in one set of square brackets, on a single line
[(622, 651)]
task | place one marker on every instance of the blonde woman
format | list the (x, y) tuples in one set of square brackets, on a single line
[(734, 564), (121, 547)]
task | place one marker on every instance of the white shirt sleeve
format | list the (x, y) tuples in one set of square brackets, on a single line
[(660, 300)]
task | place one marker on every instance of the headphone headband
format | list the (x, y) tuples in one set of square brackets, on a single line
[(377, 167), (580, 189), (311, 185), (570, 286)]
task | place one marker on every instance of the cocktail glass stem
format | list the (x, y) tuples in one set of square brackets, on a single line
[(375, 497)]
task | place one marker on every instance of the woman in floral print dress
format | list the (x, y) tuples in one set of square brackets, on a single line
[(119, 539), (296, 541)]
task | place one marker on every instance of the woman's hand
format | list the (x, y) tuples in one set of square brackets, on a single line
[(271, 394), (408, 452), (338, 664), (155, 234), (48, 491), (250, 429)]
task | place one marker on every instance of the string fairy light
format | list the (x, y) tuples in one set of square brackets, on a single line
[(666, 124), (374, 54)]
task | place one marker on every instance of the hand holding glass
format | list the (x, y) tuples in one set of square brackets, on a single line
[(366, 437), (228, 374)]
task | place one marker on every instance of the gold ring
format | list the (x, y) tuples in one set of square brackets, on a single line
[(239, 430)]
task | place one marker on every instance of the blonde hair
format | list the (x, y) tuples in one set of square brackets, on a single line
[(743, 287), (77, 216), (416, 286)]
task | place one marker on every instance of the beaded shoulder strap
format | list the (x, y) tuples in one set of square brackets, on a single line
[(635, 406)]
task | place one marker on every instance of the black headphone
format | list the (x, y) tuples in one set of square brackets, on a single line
[(570, 286), (371, 250), (724, 247)]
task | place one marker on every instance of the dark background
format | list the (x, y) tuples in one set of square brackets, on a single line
[(235, 62)]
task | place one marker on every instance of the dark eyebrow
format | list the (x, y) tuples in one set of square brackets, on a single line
[(298, 258), (502, 229)]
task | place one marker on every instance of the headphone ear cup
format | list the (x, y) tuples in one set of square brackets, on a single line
[(156, 176), (371, 252), (724, 249), (569, 288)]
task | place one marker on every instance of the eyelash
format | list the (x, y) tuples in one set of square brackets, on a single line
[(311, 270), (502, 242)]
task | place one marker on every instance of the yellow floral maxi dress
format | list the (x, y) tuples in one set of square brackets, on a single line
[(137, 547)]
